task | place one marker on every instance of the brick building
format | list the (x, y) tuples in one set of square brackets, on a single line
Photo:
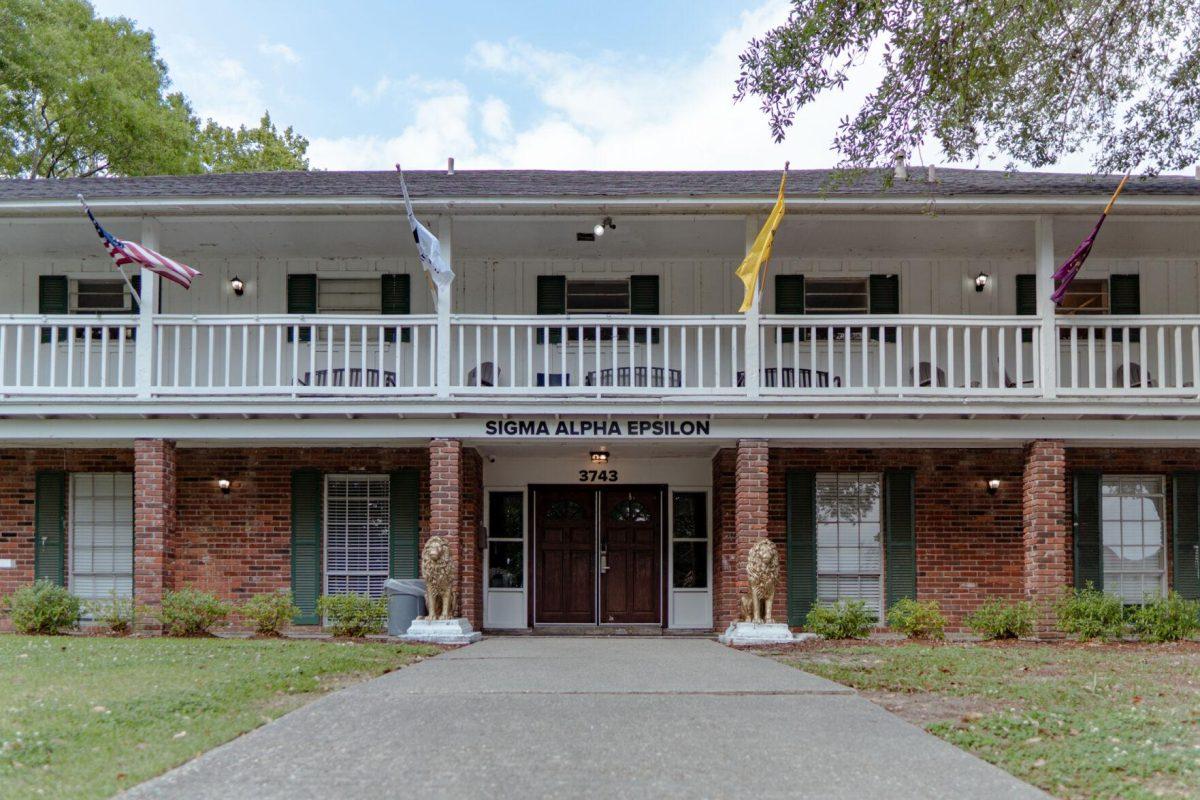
[(581, 414)]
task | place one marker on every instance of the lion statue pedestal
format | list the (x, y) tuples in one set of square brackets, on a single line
[(756, 624), (439, 625)]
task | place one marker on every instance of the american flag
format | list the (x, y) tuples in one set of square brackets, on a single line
[(123, 253)]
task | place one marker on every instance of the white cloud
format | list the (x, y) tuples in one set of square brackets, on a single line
[(495, 118), (219, 86), (279, 51)]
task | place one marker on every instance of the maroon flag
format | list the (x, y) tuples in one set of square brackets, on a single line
[(1070, 268)]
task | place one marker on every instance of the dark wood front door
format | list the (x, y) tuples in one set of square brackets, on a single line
[(566, 555), (630, 555)]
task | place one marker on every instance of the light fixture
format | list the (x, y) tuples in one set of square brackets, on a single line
[(238, 285), (223, 484), (599, 456), (598, 229), (993, 485), (604, 224), (981, 281)]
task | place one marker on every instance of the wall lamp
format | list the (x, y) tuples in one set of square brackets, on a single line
[(238, 285), (599, 456), (993, 485), (602, 225), (981, 281), (223, 484)]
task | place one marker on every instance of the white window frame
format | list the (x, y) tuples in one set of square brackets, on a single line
[(371, 281), (325, 571), (73, 295), (586, 279), (877, 477), (862, 280), (1161, 496), (1063, 310), (73, 546)]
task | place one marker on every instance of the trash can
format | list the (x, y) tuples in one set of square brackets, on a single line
[(405, 602)]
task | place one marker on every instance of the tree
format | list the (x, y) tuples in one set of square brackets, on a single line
[(261, 149), (1031, 81)]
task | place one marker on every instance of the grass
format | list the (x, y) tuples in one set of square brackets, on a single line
[(1080, 721), (84, 717)]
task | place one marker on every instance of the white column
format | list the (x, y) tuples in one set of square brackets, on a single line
[(1044, 257), (144, 372), (752, 367), (446, 238)]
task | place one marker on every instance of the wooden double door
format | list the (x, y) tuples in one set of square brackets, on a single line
[(598, 555)]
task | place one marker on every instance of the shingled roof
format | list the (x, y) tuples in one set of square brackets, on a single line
[(548, 184)]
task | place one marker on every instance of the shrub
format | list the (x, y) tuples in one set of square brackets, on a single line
[(116, 614), (1166, 619), (270, 612), (353, 614), (1091, 613), (917, 619), (44, 607), (997, 619), (846, 619), (191, 612)]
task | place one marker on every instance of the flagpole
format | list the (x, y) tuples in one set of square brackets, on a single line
[(137, 298), (762, 283)]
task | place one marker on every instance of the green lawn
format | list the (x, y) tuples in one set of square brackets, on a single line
[(1080, 721), (87, 717)]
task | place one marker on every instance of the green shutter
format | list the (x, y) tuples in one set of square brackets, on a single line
[(308, 493), (49, 526), (136, 282), (884, 298), (643, 299), (394, 298), (1086, 531), (1026, 301), (900, 530), (1125, 297), (405, 523), (52, 299), (301, 299), (1186, 535), (551, 299), (801, 545), (789, 299)]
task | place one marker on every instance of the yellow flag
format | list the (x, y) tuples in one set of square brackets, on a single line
[(760, 253)]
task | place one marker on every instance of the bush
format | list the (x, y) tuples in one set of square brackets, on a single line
[(191, 612), (1166, 619), (270, 612), (997, 619), (917, 619), (1091, 613), (116, 614), (846, 619), (353, 614), (44, 607)]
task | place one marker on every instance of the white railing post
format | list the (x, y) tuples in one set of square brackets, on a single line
[(751, 352), (1044, 255), (446, 238), (144, 347)]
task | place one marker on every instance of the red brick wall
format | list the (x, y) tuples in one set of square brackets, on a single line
[(969, 543)]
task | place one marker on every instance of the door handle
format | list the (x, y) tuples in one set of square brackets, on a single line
[(603, 561)]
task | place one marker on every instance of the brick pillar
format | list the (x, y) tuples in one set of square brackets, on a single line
[(446, 503), (725, 604), (1047, 543), (154, 515), (471, 587), (750, 518)]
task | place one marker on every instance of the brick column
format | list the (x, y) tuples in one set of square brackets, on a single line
[(154, 515), (751, 513), (446, 503), (1047, 543), (471, 587)]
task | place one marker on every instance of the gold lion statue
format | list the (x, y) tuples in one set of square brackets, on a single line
[(437, 568), (762, 568)]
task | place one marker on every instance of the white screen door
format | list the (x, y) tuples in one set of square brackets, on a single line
[(101, 535), (357, 534)]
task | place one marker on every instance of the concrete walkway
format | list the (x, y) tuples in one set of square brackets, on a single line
[(589, 717)]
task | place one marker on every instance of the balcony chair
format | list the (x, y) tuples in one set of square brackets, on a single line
[(321, 377), (657, 377), (486, 374), (788, 374), (1135, 377), (925, 374)]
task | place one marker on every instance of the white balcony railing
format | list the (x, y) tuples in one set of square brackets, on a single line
[(597, 356)]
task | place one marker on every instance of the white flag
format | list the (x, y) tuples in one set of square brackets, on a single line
[(429, 248)]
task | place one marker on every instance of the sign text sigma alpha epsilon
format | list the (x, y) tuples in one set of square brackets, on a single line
[(596, 427)]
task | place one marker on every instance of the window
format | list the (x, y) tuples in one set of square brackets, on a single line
[(506, 540), (597, 296), (1132, 512), (101, 535), (1085, 296), (90, 296), (357, 534), (836, 296), (849, 547), (689, 542), (348, 296)]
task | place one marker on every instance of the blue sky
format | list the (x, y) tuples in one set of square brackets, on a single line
[(637, 85)]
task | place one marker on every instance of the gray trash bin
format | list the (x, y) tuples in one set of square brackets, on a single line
[(406, 602)]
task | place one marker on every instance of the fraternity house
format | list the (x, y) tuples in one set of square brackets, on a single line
[(584, 416)]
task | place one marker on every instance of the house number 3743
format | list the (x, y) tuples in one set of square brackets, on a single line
[(594, 475)]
